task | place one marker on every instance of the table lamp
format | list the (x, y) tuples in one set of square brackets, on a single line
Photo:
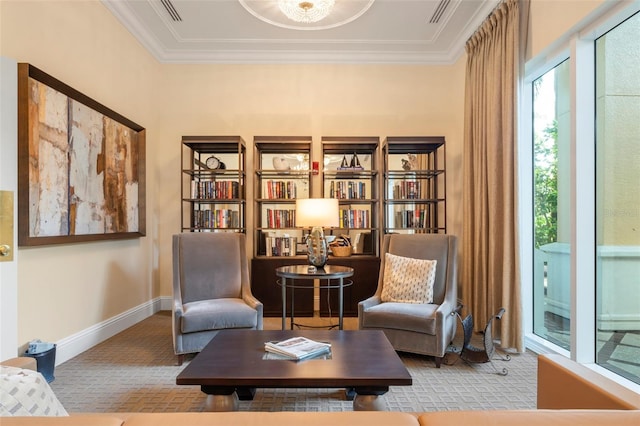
[(316, 213)]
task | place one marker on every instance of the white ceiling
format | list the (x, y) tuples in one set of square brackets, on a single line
[(224, 31)]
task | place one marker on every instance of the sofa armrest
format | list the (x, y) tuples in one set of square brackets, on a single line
[(566, 384), (250, 300), (74, 420), (367, 303), (530, 417), (25, 362), (276, 418), (364, 305)]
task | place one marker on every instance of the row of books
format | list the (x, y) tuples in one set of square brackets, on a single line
[(279, 218), (407, 190), (354, 218), (219, 218), (348, 218), (415, 218), (280, 246), (220, 189), (348, 190), (298, 348), (278, 189)]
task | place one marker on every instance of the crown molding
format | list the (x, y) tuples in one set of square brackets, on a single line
[(268, 54)]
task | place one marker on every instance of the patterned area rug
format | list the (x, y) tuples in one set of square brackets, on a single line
[(135, 371)]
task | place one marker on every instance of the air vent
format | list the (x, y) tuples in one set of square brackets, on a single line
[(171, 10), (439, 11)]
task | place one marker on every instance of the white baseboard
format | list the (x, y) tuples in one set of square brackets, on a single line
[(75, 344), (165, 303)]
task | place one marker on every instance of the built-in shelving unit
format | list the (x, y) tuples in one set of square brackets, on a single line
[(350, 174), (213, 184), (282, 174), (414, 184)]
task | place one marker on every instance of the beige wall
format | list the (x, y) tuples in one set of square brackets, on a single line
[(73, 287), (64, 289), (550, 19), (315, 100)]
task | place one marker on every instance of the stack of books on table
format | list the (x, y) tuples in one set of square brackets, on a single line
[(298, 348)]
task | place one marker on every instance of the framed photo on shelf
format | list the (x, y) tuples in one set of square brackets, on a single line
[(81, 166)]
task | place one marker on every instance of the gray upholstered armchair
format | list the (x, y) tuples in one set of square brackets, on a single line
[(423, 328), (211, 289)]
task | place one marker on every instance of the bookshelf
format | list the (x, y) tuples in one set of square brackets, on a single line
[(212, 184), (414, 184), (282, 168), (350, 173)]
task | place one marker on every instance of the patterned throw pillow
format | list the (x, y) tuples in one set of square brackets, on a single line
[(27, 393), (408, 280)]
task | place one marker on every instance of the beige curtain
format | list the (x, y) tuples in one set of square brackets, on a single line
[(490, 267)]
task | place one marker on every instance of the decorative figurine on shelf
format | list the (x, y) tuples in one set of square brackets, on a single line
[(355, 163), (344, 163), (411, 163)]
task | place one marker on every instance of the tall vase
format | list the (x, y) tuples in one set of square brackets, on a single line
[(317, 247)]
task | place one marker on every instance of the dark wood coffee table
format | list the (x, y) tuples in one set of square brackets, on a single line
[(232, 366)]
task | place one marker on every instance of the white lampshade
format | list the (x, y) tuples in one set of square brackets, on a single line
[(321, 212)]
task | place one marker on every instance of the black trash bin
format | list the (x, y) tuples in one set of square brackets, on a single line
[(46, 362)]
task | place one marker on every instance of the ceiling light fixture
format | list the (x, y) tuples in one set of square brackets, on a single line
[(306, 11)]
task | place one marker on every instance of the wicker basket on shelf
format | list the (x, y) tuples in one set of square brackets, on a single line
[(341, 247), (341, 251)]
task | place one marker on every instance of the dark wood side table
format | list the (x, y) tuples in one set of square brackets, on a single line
[(289, 274)]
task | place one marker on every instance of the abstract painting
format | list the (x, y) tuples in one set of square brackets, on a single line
[(81, 166)]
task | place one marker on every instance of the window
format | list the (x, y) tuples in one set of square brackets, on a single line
[(551, 195), (580, 193), (618, 199)]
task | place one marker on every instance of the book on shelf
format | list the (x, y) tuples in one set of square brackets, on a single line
[(280, 246), (354, 218), (219, 190), (298, 348), (280, 218), (216, 218), (351, 190), (274, 190)]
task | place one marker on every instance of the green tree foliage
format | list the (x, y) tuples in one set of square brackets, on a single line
[(545, 174)]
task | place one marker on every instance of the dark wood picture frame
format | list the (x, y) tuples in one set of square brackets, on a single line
[(81, 166)]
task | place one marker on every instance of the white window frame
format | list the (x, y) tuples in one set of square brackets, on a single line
[(578, 46)]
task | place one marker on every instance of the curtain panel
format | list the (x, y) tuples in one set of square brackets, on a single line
[(490, 264)]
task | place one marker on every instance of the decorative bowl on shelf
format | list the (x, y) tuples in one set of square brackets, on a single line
[(281, 163)]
